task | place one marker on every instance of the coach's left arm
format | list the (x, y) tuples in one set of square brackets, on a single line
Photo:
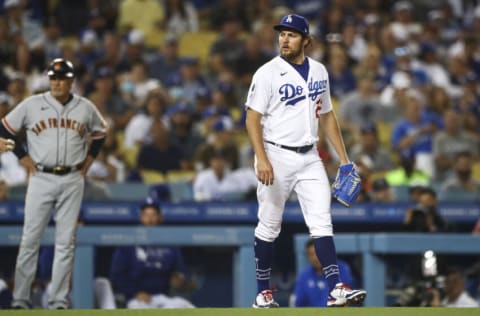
[(98, 139)]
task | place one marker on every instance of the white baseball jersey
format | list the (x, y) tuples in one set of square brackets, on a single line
[(290, 105), (56, 133)]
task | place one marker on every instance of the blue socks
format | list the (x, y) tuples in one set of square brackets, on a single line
[(263, 260), (327, 254)]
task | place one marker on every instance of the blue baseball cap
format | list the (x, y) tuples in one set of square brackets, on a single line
[(295, 22)]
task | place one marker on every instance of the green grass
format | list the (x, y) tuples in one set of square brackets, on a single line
[(351, 311)]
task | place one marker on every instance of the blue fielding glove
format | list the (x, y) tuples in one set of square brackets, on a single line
[(347, 184)]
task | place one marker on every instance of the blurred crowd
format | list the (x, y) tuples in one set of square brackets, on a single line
[(171, 76)]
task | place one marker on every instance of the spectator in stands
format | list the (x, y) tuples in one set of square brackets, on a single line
[(250, 60), (17, 88), (311, 288), (4, 105), (135, 86), (11, 171), (160, 155), (424, 217), (112, 53), (228, 48), (370, 66), (146, 275), (52, 32), (370, 150), (448, 143), (166, 61), (220, 139), (407, 174), (429, 63), (393, 95), (184, 85), (137, 131), (109, 165), (115, 108), (414, 132), (27, 34), (462, 181), (361, 106), (180, 17), (181, 132), (88, 49), (381, 192), (71, 17), (9, 47), (219, 183), (365, 172), (341, 77), (229, 10), (356, 45), (455, 292)]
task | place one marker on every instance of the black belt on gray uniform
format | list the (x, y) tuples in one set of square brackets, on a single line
[(301, 149), (58, 170)]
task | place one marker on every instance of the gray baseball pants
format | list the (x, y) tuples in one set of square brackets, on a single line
[(47, 194)]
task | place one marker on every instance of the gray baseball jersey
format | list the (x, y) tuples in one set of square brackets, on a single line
[(56, 134)]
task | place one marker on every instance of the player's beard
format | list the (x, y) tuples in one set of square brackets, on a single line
[(292, 54)]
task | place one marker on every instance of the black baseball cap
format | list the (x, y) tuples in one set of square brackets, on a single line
[(61, 67), (295, 22)]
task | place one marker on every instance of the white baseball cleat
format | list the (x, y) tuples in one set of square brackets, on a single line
[(265, 299), (343, 295)]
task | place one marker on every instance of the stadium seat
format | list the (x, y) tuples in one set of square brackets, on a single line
[(384, 133), (180, 175), (181, 191), (197, 44), (476, 171), (154, 39), (128, 191), (458, 196), (401, 193), (152, 176)]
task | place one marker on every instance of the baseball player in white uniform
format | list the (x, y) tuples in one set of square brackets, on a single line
[(288, 100), (59, 126)]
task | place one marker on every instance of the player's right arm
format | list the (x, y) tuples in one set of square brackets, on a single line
[(255, 133)]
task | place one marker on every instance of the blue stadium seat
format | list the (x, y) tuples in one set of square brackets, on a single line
[(181, 191), (128, 191)]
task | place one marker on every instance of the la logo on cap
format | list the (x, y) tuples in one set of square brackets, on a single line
[(57, 66), (289, 19)]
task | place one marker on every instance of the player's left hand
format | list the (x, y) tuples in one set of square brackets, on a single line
[(347, 185)]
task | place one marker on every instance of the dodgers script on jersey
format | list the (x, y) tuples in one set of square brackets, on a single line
[(63, 128), (287, 101)]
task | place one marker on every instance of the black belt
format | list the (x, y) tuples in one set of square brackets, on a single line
[(58, 170), (301, 149)]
